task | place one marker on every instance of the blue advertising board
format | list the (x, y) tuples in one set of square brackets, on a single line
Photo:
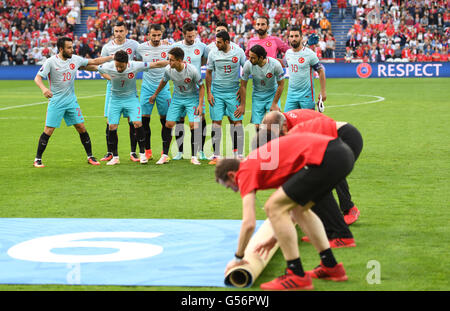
[(334, 70)]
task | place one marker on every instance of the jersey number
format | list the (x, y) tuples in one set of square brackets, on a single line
[(188, 59), (294, 68), (123, 82), (227, 68), (67, 76)]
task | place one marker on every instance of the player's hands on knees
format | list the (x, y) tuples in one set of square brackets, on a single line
[(211, 100), (238, 95), (233, 264), (239, 111), (47, 93), (263, 249)]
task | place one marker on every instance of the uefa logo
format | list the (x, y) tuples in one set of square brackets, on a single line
[(269, 75), (130, 75), (129, 51), (234, 59), (187, 80), (364, 70), (163, 55), (72, 66), (197, 52), (301, 60)]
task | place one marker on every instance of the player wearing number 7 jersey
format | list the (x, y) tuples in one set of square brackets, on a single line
[(188, 95), (301, 61), (124, 99), (61, 70)]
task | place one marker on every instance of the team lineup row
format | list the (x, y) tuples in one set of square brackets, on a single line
[(225, 89)]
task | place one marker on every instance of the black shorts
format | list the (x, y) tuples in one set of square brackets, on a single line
[(352, 137), (313, 182)]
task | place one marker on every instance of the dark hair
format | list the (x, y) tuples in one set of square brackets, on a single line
[(121, 56), (223, 35), (295, 28), (120, 24), (177, 52), (222, 24), (263, 17), (259, 51), (61, 43), (188, 27), (224, 166), (156, 27)]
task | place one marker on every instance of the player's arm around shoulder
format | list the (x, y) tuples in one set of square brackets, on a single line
[(100, 60)]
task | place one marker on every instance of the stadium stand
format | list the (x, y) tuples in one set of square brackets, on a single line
[(348, 30)]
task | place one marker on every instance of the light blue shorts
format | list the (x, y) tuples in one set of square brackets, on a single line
[(108, 97), (163, 99), (299, 101), (66, 108), (181, 107), (128, 106), (225, 104), (260, 106)]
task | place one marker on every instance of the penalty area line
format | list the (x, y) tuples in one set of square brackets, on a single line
[(44, 102)]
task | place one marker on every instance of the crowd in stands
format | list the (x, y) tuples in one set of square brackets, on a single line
[(383, 30), (390, 30)]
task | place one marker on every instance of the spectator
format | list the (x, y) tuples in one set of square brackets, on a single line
[(325, 24), (330, 47), (342, 6), (326, 6)]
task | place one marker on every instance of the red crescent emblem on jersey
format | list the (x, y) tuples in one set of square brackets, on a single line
[(72, 66), (234, 59), (187, 80), (163, 55), (301, 60), (269, 75), (129, 51), (130, 75), (197, 52), (268, 43)]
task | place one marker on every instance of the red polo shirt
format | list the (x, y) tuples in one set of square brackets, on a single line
[(271, 165)]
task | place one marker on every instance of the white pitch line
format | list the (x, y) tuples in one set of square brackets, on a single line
[(378, 99), (40, 103)]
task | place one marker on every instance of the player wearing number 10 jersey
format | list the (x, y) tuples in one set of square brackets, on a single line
[(301, 61), (61, 70)]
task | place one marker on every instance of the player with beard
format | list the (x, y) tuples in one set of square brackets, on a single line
[(301, 61), (196, 54), (273, 45), (61, 70), (153, 51), (120, 42)]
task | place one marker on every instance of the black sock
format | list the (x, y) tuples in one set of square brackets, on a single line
[(86, 141), (233, 135), (295, 266), (140, 137), (166, 136), (203, 134), (327, 258), (147, 132), (43, 141), (113, 141), (107, 133), (216, 137), (133, 139), (179, 135)]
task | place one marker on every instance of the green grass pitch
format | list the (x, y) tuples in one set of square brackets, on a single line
[(400, 182)]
